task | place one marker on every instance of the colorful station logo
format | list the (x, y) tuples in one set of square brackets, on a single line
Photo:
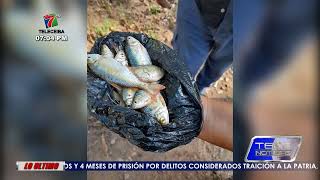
[(52, 32), (273, 148), (50, 20)]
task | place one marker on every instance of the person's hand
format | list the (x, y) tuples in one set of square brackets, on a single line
[(181, 97)]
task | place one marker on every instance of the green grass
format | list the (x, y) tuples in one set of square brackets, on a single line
[(106, 27), (154, 9), (151, 33)]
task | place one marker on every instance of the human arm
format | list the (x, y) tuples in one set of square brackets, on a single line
[(217, 125)]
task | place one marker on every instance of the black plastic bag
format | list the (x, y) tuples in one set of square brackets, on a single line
[(181, 96)]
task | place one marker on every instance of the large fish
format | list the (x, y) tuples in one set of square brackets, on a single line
[(158, 110), (148, 73), (113, 71), (137, 53)]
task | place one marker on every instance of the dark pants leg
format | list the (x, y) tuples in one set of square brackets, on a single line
[(195, 41)]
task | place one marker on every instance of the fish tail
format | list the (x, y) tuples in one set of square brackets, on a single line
[(154, 89)]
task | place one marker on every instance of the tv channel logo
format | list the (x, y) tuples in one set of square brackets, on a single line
[(273, 148), (51, 20)]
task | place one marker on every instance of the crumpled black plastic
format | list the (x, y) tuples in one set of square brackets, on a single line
[(181, 96)]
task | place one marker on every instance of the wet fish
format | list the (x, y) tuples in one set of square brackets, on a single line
[(158, 110), (141, 99), (113, 71), (148, 73), (137, 53), (105, 51), (128, 94)]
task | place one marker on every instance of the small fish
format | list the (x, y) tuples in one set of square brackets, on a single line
[(128, 95), (116, 96), (148, 73), (121, 57), (114, 72), (158, 110), (137, 53), (105, 51), (141, 99)]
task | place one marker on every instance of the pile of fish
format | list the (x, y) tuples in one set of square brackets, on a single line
[(137, 84)]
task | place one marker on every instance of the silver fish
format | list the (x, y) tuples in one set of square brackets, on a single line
[(141, 99), (158, 110), (148, 73), (105, 51), (137, 53), (113, 71), (128, 94)]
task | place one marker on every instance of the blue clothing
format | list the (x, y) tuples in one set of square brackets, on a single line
[(207, 51)]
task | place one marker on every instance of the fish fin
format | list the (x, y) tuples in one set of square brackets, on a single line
[(117, 87), (154, 89), (154, 97), (135, 89)]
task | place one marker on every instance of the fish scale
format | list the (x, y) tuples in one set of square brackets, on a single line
[(148, 73)]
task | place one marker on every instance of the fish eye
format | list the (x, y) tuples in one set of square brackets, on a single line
[(162, 120)]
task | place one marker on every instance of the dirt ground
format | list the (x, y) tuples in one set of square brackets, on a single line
[(146, 16)]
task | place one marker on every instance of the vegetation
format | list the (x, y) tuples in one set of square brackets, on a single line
[(155, 9), (106, 27)]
